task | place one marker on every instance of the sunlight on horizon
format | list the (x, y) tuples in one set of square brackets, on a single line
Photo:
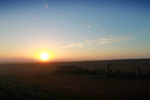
[(44, 56)]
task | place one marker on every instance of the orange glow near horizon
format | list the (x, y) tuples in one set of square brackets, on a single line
[(44, 56)]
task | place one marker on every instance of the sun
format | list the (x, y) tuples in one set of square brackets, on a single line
[(44, 56)]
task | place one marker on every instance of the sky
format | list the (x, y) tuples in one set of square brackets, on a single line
[(74, 29)]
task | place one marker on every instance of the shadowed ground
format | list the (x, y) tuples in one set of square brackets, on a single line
[(73, 87)]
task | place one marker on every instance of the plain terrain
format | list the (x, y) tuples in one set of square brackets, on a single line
[(72, 87)]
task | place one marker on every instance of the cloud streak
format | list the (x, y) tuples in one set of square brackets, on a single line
[(46, 6), (95, 42), (33, 18)]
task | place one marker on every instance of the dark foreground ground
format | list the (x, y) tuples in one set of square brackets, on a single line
[(37, 81)]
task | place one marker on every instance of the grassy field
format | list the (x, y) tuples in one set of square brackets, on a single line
[(38, 81)]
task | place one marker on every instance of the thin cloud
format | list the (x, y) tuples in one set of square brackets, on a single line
[(101, 29), (94, 28), (111, 40), (33, 18), (94, 42), (90, 48), (79, 44), (46, 6), (89, 26)]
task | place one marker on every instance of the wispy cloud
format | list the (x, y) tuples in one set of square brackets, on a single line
[(33, 18), (95, 42), (46, 6), (94, 28), (89, 26), (101, 29)]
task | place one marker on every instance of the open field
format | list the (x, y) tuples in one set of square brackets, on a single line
[(39, 78)]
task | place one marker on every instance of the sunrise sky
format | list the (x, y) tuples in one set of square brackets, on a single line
[(74, 29)]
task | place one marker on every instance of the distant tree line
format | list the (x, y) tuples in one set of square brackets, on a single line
[(108, 72)]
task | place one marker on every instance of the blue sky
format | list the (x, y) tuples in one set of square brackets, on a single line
[(75, 29)]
